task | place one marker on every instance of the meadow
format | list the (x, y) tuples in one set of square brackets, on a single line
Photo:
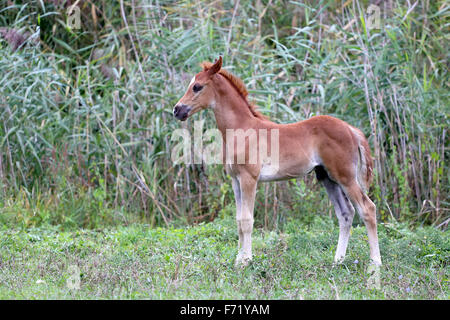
[(86, 177), (197, 262)]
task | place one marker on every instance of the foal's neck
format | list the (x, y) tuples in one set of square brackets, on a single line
[(231, 109)]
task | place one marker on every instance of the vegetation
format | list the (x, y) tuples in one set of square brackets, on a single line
[(86, 118), (85, 145), (137, 262)]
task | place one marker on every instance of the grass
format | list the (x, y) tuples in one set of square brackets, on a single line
[(197, 262)]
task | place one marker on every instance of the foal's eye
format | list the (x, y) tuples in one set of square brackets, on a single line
[(197, 87)]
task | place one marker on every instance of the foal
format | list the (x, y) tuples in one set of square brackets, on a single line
[(337, 152)]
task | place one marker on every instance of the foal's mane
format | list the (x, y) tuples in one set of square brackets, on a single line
[(239, 85)]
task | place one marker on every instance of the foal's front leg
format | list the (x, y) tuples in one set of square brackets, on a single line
[(237, 196), (245, 219)]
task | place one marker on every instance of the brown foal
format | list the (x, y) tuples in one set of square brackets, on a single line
[(337, 152)]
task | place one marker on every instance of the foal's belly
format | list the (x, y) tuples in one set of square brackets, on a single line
[(274, 173)]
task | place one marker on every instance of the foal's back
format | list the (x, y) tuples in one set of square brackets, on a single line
[(319, 141)]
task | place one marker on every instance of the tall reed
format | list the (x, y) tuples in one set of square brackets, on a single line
[(85, 114)]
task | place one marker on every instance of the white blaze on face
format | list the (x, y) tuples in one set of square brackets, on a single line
[(192, 81)]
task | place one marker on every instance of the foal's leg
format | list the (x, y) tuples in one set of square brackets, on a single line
[(237, 196), (367, 211), (344, 212), (245, 220)]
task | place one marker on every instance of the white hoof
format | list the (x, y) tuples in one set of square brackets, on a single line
[(338, 260), (376, 261), (242, 260)]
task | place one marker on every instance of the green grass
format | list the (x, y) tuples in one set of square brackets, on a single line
[(137, 262)]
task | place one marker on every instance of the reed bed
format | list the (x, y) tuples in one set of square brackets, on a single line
[(86, 113)]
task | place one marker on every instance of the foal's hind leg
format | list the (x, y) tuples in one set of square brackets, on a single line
[(367, 211), (344, 212)]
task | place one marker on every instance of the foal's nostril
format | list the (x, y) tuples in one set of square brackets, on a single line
[(181, 111)]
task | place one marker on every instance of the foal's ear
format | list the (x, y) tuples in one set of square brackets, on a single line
[(215, 67)]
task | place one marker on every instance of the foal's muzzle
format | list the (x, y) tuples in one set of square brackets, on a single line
[(181, 111)]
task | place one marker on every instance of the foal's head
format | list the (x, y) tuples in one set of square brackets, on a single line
[(199, 94)]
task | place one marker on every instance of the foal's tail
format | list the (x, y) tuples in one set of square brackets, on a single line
[(365, 163)]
